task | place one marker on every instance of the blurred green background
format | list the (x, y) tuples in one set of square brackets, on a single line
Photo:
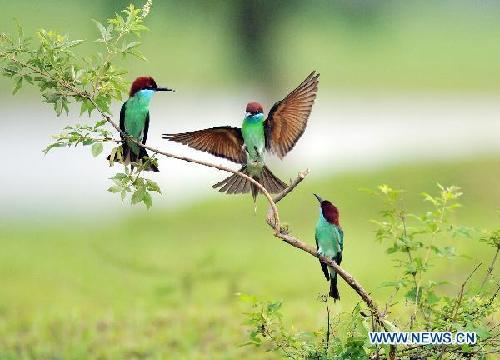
[(83, 276)]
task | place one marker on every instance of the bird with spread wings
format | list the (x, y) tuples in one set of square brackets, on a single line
[(277, 133)]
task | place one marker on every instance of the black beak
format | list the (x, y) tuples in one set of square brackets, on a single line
[(164, 89), (319, 198)]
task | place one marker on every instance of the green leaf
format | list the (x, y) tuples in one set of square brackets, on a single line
[(97, 149), (138, 195), (19, 84), (100, 123), (130, 45), (274, 306), (432, 298), (72, 43), (115, 189), (411, 295), (51, 146), (102, 30), (153, 186), (148, 201)]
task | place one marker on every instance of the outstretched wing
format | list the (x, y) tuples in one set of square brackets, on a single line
[(287, 119), (223, 141)]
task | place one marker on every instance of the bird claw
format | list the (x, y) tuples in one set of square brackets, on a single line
[(320, 253)]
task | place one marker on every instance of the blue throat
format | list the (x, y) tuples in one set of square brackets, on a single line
[(255, 118), (144, 96)]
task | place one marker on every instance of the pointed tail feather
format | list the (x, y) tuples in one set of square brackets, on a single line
[(334, 291), (128, 156), (236, 184)]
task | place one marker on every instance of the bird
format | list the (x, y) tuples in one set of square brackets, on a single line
[(277, 133), (134, 121), (329, 241)]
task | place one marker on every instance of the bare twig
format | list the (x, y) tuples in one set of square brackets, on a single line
[(327, 327), (456, 306), (301, 176), (490, 268), (461, 293), (413, 316)]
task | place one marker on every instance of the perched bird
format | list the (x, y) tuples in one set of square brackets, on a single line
[(278, 133), (329, 241), (134, 120)]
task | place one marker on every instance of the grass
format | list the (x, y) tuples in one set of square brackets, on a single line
[(161, 284)]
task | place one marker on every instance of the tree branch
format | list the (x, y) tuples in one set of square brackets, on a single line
[(273, 214)]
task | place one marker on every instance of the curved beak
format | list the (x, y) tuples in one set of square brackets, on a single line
[(319, 198), (164, 89)]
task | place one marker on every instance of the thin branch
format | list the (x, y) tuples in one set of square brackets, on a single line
[(456, 306), (490, 268), (413, 316), (301, 176), (461, 293), (327, 327)]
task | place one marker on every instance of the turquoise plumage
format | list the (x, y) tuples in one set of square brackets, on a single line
[(329, 241), (134, 121)]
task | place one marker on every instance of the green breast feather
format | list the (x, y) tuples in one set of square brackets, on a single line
[(253, 136), (329, 238), (135, 118)]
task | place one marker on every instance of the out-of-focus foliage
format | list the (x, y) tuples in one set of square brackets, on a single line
[(131, 283), (418, 241)]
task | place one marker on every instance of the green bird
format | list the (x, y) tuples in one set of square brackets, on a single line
[(134, 120), (278, 134), (329, 241)]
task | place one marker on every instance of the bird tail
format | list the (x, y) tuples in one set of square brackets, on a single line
[(236, 184), (334, 291), (129, 156)]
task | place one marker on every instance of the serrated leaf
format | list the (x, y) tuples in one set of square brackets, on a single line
[(130, 45), (138, 196), (101, 29), (148, 201), (51, 146), (115, 189), (153, 186), (17, 86), (100, 123), (72, 43), (97, 149)]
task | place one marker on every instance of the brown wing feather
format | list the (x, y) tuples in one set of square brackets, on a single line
[(287, 119), (223, 141)]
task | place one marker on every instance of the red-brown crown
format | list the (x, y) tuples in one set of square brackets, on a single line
[(254, 108), (141, 83), (330, 212)]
